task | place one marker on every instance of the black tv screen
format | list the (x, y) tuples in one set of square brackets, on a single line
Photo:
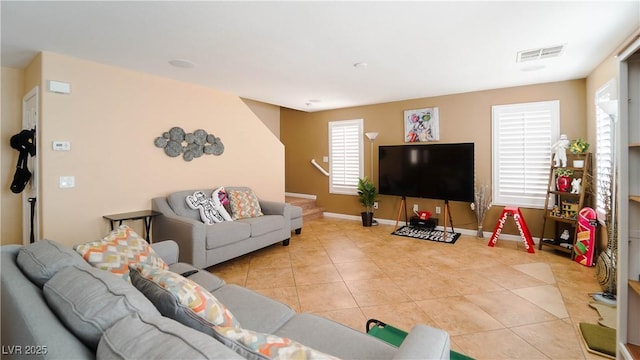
[(432, 171)]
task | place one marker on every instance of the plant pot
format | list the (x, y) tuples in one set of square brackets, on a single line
[(578, 163), (367, 218), (563, 183)]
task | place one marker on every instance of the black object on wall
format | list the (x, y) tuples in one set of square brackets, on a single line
[(24, 142), (431, 171)]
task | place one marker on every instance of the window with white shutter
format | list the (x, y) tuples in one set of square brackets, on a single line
[(604, 151), (345, 156), (522, 139)]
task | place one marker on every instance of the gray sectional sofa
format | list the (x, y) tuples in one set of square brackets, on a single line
[(56, 306), (205, 245)]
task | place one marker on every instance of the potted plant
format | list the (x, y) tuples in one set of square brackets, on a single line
[(367, 194), (563, 179), (578, 147)]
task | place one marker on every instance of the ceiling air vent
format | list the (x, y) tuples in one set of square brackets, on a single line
[(539, 54)]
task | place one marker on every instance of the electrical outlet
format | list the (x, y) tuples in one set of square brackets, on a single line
[(375, 204), (438, 210), (415, 207)]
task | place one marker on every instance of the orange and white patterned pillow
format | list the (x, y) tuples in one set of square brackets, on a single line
[(244, 204), (254, 345), (119, 249), (181, 299)]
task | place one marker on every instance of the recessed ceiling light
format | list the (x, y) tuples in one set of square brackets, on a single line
[(181, 63), (360, 65)]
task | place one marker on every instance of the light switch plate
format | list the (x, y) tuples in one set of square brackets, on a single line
[(67, 182)]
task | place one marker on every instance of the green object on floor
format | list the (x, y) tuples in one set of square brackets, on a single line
[(395, 336), (388, 333), (599, 339)]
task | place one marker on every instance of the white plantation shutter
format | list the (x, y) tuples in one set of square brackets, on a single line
[(345, 156), (604, 152), (522, 138)]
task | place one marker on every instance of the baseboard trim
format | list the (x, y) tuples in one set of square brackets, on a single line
[(487, 235)]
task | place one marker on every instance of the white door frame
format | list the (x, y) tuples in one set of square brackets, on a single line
[(30, 111)]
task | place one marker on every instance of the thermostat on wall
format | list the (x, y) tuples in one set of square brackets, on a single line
[(59, 87), (61, 146)]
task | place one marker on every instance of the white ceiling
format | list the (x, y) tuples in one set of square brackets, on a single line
[(301, 55)]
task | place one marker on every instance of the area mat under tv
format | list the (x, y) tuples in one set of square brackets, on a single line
[(422, 233)]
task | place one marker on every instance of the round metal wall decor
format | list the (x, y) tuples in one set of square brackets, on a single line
[(176, 142)]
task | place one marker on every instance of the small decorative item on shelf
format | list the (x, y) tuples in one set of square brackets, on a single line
[(481, 205), (578, 147), (555, 212), (559, 149), (563, 179), (576, 185), (569, 210)]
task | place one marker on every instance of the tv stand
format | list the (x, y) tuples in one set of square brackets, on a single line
[(447, 216), (403, 203)]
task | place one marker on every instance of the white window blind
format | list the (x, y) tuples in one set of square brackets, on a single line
[(604, 152), (345, 156), (521, 154)]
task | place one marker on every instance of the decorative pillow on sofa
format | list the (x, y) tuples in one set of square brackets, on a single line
[(43, 259), (181, 299), (221, 202), (259, 346), (244, 204), (119, 249), (89, 301), (209, 212)]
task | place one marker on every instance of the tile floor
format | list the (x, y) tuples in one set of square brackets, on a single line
[(496, 303)]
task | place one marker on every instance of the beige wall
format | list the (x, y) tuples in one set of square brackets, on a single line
[(267, 113), (10, 209), (111, 118), (463, 118)]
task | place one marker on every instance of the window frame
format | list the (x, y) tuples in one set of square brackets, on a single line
[(605, 133), (341, 179), (537, 153)]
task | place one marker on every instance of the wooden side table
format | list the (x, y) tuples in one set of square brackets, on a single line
[(145, 215)]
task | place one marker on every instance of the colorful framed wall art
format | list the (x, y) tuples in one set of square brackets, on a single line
[(421, 125)]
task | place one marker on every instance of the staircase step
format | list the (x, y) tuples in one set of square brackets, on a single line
[(302, 202), (310, 214), (309, 209)]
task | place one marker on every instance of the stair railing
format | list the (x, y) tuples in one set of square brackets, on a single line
[(320, 168)]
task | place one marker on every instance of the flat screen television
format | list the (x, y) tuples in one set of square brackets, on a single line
[(431, 171)]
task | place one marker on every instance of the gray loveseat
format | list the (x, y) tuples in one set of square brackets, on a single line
[(205, 245), (31, 327)]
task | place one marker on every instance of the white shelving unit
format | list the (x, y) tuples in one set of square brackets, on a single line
[(628, 150)]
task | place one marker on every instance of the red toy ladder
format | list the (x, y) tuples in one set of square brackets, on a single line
[(522, 226)]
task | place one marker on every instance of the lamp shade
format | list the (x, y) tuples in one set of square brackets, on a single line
[(372, 135), (609, 107)]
